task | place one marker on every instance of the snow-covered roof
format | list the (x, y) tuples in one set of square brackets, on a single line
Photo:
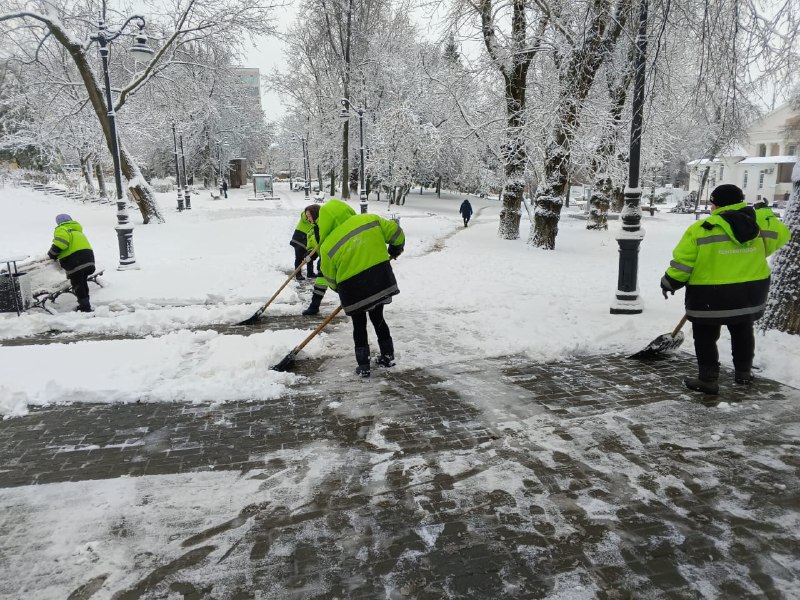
[(767, 160), (704, 162)]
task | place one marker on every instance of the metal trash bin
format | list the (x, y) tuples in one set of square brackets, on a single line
[(15, 292)]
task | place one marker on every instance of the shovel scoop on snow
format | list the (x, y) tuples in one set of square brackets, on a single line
[(662, 345)]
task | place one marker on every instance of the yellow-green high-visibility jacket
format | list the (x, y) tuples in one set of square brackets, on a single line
[(355, 256), (722, 261), (72, 249), (302, 232)]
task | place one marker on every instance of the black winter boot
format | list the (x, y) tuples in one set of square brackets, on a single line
[(707, 380), (386, 359), (743, 377), (362, 358), (84, 305), (316, 300)]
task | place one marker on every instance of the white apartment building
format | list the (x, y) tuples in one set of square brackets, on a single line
[(762, 165)]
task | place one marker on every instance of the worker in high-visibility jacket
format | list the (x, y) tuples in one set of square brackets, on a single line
[(722, 261), (74, 253), (299, 242), (320, 286), (355, 253)]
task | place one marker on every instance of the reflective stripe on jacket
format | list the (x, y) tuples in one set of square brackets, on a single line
[(72, 249), (722, 261), (354, 255)]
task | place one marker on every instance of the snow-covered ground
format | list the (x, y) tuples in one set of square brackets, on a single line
[(465, 294)]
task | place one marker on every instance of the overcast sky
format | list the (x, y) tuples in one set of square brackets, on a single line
[(269, 52)]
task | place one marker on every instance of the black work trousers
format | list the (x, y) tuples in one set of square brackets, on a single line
[(743, 344), (80, 286), (378, 322)]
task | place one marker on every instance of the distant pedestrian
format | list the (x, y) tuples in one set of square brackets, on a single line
[(722, 261), (74, 253), (356, 252), (225, 188), (466, 211)]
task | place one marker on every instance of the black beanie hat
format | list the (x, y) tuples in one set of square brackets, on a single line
[(727, 194)]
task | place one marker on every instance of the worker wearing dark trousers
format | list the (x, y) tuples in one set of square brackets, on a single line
[(356, 252), (722, 261), (320, 286), (75, 256), (300, 242)]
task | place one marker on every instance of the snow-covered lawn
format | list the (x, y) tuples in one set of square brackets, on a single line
[(465, 294)]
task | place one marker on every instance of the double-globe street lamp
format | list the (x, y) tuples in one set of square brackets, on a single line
[(141, 52), (344, 115)]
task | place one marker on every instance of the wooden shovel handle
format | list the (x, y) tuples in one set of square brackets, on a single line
[(292, 276), (680, 325), (321, 326)]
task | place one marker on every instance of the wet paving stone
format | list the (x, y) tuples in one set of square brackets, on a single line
[(594, 477)]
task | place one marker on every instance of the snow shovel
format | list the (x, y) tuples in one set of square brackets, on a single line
[(288, 360), (662, 344), (254, 319)]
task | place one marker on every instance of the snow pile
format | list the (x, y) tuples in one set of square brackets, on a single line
[(465, 295)]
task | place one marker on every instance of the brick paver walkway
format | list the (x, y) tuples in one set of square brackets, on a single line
[(600, 478)]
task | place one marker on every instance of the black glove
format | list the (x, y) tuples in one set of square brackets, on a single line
[(666, 287), (395, 251)]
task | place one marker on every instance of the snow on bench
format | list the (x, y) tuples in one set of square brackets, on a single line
[(41, 297)]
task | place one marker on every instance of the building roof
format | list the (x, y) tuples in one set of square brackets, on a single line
[(768, 160)]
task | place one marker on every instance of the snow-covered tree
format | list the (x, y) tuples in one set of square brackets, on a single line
[(34, 25)]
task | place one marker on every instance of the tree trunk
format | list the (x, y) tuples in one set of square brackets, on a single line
[(439, 186), (333, 182), (138, 187), (783, 304), (599, 203), (140, 190), (603, 188), (101, 181), (346, 127), (86, 171), (515, 77), (576, 77)]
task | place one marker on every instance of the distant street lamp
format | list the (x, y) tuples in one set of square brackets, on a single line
[(306, 168), (177, 170), (627, 300), (344, 115), (141, 52), (187, 194), (220, 144)]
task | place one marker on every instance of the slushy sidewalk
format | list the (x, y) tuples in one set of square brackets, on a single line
[(490, 479)]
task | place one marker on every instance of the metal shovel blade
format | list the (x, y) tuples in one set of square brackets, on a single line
[(252, 320), (663, 344), (285, 364)]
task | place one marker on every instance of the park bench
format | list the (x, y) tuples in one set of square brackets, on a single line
[(43, 296)]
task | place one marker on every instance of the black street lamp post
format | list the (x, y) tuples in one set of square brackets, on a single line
[(344, 114), (627, 300), (306, 168), (140, 50), (187, 193), (177, 170)]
